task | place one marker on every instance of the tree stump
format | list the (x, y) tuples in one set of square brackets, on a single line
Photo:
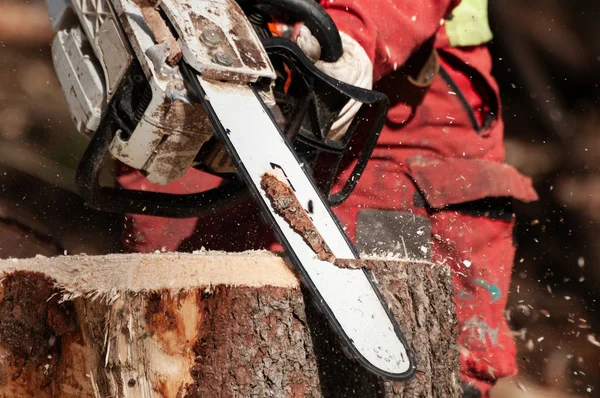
[(204, 325)]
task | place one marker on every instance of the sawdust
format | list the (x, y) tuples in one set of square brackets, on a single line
[(286, 204)]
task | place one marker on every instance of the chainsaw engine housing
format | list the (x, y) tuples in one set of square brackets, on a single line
[(102, 46)]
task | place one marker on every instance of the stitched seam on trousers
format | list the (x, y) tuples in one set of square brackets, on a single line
[(461, 97), (493, 114)]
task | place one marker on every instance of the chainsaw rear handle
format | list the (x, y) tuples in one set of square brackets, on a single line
[(312, 15)]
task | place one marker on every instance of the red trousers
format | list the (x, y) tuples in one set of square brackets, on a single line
[(478, 248), (439, 163)]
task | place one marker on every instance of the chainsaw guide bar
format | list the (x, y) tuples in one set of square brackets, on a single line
[(348, 297)]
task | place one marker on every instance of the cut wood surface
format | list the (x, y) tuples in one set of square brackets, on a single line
[(204, 325)]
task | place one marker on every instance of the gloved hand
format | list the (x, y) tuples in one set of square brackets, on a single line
[(354, 67)]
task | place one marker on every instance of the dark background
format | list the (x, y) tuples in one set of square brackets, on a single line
[(547, 61)]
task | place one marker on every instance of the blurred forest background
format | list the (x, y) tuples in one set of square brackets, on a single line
[(547, 57)]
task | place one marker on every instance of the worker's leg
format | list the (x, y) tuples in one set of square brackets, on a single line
[(477, 244)]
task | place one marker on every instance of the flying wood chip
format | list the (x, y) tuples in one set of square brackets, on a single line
[(286, 204)]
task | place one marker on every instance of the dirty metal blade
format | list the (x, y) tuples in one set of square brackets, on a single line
[(347, 297)]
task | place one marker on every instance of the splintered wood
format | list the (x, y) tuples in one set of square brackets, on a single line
[(286, 204)]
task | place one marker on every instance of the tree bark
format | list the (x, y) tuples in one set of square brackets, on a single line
[(204, 325)]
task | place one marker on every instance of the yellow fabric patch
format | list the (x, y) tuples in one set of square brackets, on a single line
[(468, 25)]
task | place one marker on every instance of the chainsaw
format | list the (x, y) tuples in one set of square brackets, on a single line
[(164, 86)]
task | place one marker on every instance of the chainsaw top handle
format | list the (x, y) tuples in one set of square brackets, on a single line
[(312, 15)]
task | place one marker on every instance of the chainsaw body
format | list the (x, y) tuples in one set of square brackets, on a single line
[(111, 67)]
